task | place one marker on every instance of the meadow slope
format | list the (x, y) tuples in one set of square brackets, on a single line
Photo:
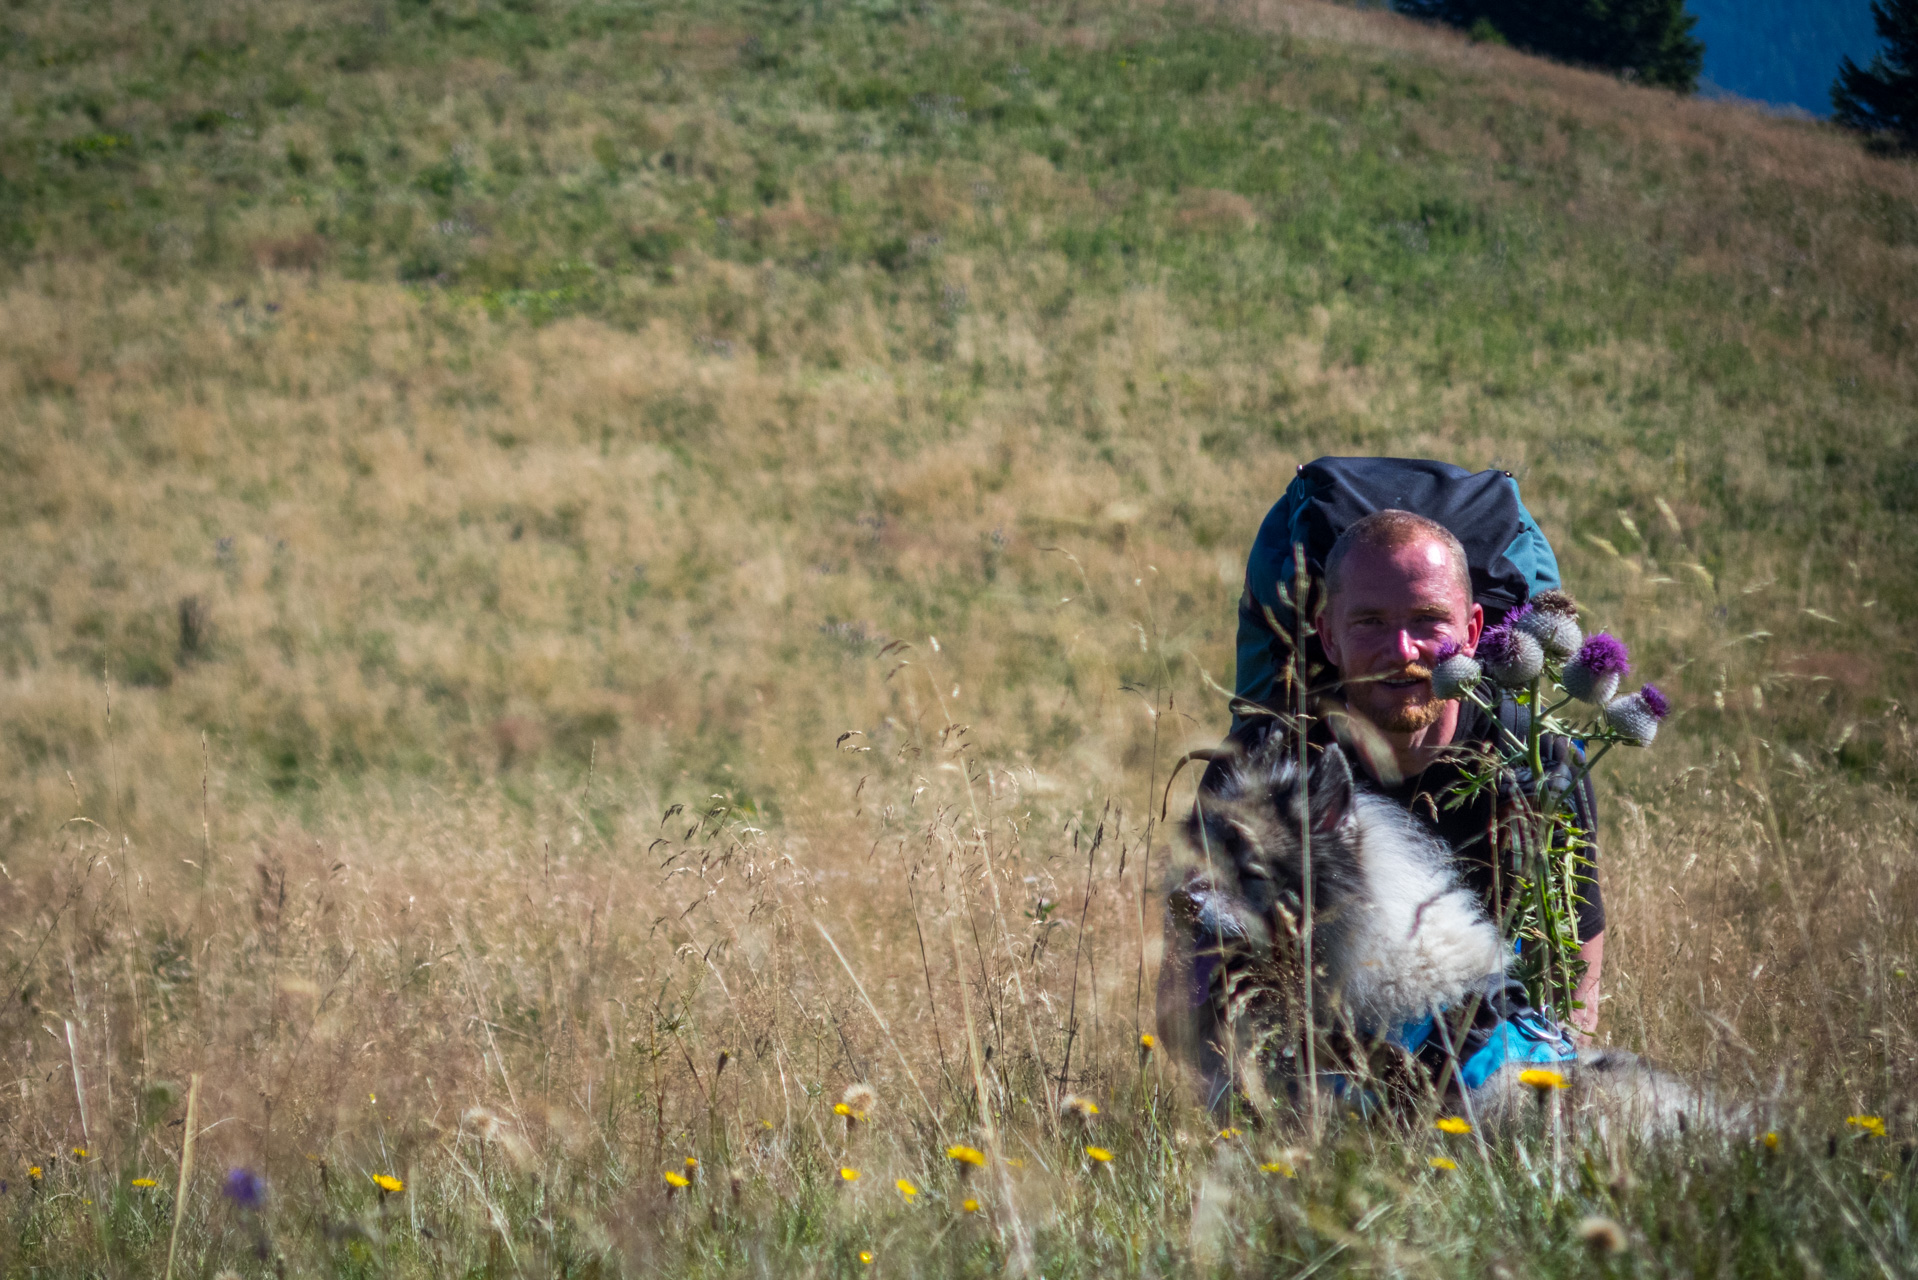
[(583, 576)]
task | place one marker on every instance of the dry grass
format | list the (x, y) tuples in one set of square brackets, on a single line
[(357, 634)]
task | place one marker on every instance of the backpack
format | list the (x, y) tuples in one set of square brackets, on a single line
[(1508, 555)]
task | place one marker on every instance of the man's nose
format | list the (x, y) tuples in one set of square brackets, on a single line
[(1408, 648)]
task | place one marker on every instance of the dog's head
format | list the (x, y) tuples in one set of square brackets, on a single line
[(1259, 815)]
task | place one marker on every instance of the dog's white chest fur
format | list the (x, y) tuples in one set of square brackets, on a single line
[(1422, 940)]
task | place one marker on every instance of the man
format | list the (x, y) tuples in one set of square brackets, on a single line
[(1397, 587)]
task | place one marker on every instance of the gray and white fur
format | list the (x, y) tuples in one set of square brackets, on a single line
[(1397, 936)]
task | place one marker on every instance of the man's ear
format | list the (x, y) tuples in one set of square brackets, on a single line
[(1331, 791), (1327, 639), (1474, 625)]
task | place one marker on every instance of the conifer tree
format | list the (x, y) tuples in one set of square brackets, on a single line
[(1649, 39), (1882, 99)]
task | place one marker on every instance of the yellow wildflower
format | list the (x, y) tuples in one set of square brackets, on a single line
[(36, 1173), (1099, 1153), (1440, 1162), (967, 1155), (692, 1162), (79, 1153), (145, 1182), (1148, 1042), (1874, 1125), (1454, 1124), (387, 1182), (765, 1124), (850, 1175), (677, 1181), (865, 1256), (906, 1189), (1771, 1141), (1541, 1079), (1279, 1167), (1226, 1135), (970, 1206)]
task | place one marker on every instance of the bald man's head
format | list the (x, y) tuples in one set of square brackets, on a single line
[(1390, 531)]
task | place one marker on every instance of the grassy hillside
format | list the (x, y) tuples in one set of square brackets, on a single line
[(440, 439)]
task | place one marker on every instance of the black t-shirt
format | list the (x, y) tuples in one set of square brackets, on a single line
[(1468, 827)]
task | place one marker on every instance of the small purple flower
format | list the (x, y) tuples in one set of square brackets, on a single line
[(245, 1188), (1635, 716), (1510, 657), (1447, 650), (1594, 672)]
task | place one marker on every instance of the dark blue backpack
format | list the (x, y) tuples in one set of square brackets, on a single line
[(1510, 559)]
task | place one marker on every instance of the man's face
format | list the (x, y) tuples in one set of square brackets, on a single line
[(1384, 627)]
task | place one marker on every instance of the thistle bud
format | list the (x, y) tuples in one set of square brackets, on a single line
[(1635, 716), (1594, 672), (1512, 658), (1455, 673), (1551, 619)]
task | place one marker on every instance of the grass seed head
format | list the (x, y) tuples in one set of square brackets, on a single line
[(1604, 1237)]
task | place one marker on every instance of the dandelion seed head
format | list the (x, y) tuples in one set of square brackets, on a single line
[(483, 1123), (861, 1097), (1076, 1106)]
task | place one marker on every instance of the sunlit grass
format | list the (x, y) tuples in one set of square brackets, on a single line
[(585, 581)]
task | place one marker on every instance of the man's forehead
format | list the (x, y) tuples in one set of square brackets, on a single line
[(1423, 568)]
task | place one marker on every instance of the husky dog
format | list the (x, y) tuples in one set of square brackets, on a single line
[(1409, 972)]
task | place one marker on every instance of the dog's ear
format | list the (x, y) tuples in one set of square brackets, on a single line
[(1331, 791)]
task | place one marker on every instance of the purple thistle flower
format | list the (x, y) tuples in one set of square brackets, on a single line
[(1510, 657), (1548, 621), (245, 1188), (1635, 716), (1455, 674), (1447, 650), (1594, 672), (1655, 701)]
